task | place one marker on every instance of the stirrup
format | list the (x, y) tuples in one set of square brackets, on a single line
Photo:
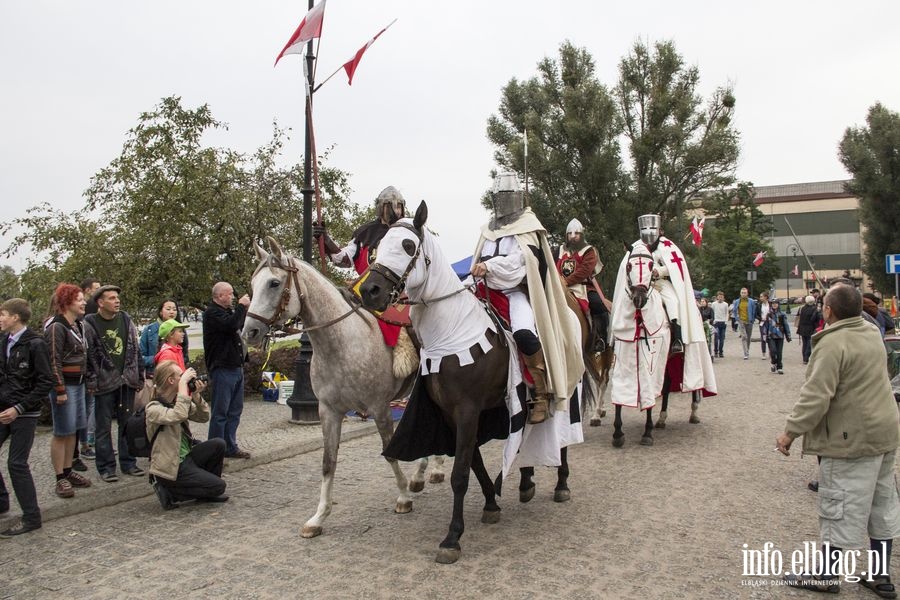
[(677, 347)]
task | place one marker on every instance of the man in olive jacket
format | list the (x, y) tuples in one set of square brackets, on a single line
[(848, 417)]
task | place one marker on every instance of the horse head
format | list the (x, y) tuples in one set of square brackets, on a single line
[(396, 267), (639, 272), (275, 292)]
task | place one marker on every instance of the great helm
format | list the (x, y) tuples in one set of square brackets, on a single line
[(507, 198), (391, 195), (649, 226)]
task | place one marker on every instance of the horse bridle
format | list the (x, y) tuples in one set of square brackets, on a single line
[(399, 283), (293, 283)]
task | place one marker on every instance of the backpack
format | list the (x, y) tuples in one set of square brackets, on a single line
[(136, 434)]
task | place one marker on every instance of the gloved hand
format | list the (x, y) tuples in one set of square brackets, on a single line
[(318, 230)]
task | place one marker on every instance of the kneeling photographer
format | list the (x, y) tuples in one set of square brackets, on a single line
[(182, 468)]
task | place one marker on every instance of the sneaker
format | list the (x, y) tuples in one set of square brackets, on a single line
[(238, 454), (79, 481), (780, 371), (88, 453), (222, 498), (134, 471), (813, 486), (109, 477), (746, 357), (772, 368), (764, 357), (18, 530), (64, 489), (77, 465)]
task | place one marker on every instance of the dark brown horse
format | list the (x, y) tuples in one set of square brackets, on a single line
[(467, 396)]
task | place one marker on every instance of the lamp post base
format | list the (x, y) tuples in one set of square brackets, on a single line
[(303, 402)]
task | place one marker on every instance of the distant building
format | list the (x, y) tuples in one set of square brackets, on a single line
[(825, 219)]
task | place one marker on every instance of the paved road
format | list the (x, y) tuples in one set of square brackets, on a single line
[(666, 521)]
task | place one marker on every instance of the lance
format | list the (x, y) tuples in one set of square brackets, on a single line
[(803, 252)]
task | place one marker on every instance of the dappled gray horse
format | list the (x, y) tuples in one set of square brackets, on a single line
[(351, 368)]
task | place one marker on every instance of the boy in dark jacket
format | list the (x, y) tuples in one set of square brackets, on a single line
[(25, 380)]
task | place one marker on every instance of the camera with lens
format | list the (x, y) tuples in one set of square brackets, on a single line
[(192, 384)]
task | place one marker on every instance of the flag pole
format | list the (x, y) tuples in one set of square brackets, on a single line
[(803, 252), (336, 71), (525, 137), (310, 162)]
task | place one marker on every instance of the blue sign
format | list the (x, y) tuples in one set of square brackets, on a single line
[(892, 263)]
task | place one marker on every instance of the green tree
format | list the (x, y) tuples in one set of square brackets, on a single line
[(736, 230), (574, 166), (677, 145), (872, 155), (170, 215), (10, 286)]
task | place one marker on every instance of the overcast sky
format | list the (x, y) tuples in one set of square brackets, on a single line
[(76, 75)]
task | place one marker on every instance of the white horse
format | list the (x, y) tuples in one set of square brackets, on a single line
[(641, 337), (351, 368)]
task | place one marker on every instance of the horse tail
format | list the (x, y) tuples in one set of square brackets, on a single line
[(591, 374)]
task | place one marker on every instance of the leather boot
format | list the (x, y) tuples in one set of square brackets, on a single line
[(599, 324), (541, 403)]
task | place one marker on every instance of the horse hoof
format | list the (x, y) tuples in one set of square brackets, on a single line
[(595, 422), (447, 556), (403, 507), (490, 517), (618, 442), (660, 425), (436, 478), (416, 486), (646, 441), (311, 531), (562, 496), (526, 495), (694, 420)]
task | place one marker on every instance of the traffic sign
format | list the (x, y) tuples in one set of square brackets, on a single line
[(892, 263)]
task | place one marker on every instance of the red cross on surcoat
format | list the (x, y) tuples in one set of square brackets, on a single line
[(678, 260), (667, 243)]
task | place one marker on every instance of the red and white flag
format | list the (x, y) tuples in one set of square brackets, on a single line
[(310, 28), (697, 230), (350, 65), (758, 258), (796, 271)]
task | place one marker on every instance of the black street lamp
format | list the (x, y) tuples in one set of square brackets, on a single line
[(303, 402)]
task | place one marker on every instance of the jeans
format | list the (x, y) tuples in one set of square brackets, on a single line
[(21, 437), (763, 339), (776, 346), (227, 406), (119, 404), (720, 338), (200, 473), (746, 331), (806, 340), (86, 435)]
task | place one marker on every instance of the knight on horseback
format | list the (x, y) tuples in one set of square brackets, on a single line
[(361, 251), (578, 263), (513, 257)]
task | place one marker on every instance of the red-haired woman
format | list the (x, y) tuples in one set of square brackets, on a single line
[(68, 361)]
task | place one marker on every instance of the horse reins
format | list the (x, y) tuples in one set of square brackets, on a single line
[(293, 281)]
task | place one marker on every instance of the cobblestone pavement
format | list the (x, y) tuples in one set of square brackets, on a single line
[(265, 431), (666, 521)]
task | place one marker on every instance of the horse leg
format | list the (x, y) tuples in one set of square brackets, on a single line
[(663, 413), (696, 395), (436, 464), (599, 412), (417, 481), (386, 430), (331, 434), (491, 512), (449, 550), (526, 484), (618, 436), (647, 438), (561, 493)]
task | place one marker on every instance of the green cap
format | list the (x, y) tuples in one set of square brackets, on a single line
[(169, 326)]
